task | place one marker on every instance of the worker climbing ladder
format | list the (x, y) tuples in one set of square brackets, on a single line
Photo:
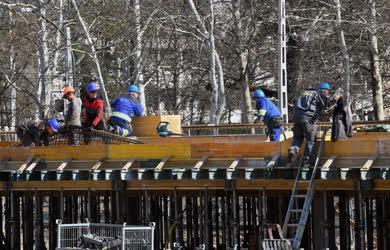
[(308, 196)]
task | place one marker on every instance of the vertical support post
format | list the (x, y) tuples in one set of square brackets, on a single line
[(12, 220), (217, 226), (369, 223), (223, 221), (282, 60), (380, 225), (331, 222), (89, 205), (206, 219), (344, 223), (236, 213), (359, 220)]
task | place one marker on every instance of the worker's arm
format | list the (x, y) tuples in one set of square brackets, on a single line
[(113, 103), (99, 111), (261, 111), (138, 109)]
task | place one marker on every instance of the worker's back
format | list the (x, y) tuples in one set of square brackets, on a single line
[(310, 105)]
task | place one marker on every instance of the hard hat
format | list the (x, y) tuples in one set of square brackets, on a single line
[(258, 93), (67, 90), (91, 87), (54, 124), (133, 88), (325, 85)]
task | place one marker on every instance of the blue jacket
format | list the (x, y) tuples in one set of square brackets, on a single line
[(266, 110), (126, 108)]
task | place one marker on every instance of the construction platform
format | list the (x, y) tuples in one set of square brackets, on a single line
[(216, 192)]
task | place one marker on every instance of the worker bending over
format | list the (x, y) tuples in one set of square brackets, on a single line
[(269, 114), (72, 115), (30, 132), (94, 112), (307, 110), (124, 109)]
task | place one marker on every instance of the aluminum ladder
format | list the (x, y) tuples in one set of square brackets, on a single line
[(295, 196)]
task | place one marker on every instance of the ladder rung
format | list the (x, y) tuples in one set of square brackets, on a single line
[(300, 196), (292, 225), (296, 210)]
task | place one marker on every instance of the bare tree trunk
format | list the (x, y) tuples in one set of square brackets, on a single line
[(214, 93), (346, 72), (243, 57), (54, 68), (68, 47), (95, 59), (138, 70), (12, 70), (376, 78), (43, 58), (216, 70)]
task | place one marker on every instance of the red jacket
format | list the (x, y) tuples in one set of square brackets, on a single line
[(94, 111)]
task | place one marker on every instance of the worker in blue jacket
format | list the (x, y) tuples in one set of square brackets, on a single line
[(124, 109), (269, 114)]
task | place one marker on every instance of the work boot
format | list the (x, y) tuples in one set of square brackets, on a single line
[(292, 152), (306, 170)]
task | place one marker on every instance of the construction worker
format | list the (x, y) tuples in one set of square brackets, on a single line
[(72, 116), (94, 112), (124, 109), (307, 110), (30, 132), (269, 114)]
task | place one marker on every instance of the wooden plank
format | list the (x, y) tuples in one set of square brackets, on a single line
[(161, 164), (33, 165), (351, 148), (273, 161), (201, 162), (128, 164), (145, 126), (25, 164), (223, 150), (82, 152), (63, 165), (207, 139), (234, 164), (15, 154), (368, 163), (97, 165), (268, 184), (149, 151), (58, 184), (328, 163)]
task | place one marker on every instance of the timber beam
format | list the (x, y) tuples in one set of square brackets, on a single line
[(267, 184)]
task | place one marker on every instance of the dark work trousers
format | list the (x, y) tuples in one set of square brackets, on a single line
[(28, 137), (305, 130), (70, 134)]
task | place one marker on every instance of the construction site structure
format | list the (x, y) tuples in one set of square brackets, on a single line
[(216, 191)]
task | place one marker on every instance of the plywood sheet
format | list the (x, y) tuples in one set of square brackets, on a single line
[(351, 148), (15, 154), (224, 150), (145, 126), (149, 151), (207, 139), (82, 152)]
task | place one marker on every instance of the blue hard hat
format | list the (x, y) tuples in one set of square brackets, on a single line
[(91, 87), (258, 93), (133, 88), (325, 85), (54, 124)]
